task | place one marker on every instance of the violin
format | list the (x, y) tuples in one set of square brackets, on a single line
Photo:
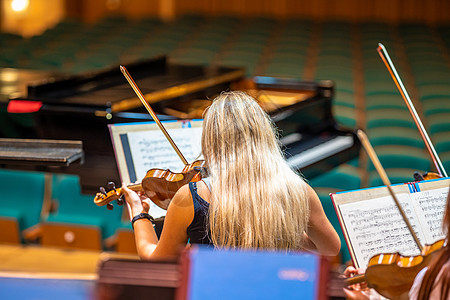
[(392, 274), (426, 176), (158, 184)]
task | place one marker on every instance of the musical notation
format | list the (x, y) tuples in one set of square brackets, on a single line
[(431, 204), (150, 149), (376, 226)]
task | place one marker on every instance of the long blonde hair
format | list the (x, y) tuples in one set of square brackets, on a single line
[(256, 201)]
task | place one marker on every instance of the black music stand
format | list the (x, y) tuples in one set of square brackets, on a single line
[(37, 153)]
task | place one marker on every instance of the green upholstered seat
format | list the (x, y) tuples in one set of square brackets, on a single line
[(439, 122), (403, 157), (389, 118), (395, 175), (76, 208), (344, 177), (22, 196), (402, 136)]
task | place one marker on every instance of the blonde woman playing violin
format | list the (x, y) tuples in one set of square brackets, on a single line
[(251, 198)]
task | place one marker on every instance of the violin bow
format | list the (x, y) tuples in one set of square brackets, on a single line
[(398, 82), (376, 162), (151, 112)]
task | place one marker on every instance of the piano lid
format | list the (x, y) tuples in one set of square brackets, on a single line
[(309, 113), (14, 82), (108, 89)]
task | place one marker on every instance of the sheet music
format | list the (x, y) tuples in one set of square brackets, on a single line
[(141, 146), (430, 206), (151, 149), (376, 226)]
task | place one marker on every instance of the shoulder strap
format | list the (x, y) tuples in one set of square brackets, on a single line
[(207, 182), (194, 194), (193, 189)]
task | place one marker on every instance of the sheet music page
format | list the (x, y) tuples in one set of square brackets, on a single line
[(376, 226), (151, 149), (430, 206)]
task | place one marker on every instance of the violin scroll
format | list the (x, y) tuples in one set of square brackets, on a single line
[(426, 176), (105, 198)]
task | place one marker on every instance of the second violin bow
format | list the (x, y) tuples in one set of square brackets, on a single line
[(382, 173), (398, 82)]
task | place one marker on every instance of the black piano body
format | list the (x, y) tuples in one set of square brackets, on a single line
[(81, 107), (312, 140)]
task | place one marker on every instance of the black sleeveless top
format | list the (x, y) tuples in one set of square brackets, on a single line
[(197, 231)]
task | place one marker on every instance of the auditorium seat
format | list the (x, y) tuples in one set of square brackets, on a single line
[(384, 100), (441, 141), (388, 118), (395, 175), (384, 136), (77, 222), (379, 83), (345, 177), (344, 97), (334, 56), (345, 116), (433, 90), (22, 202), (395, 156), (439, 122), (445, 159), (435, 105)]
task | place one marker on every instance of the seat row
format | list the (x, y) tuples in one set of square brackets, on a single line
[(50, 210)]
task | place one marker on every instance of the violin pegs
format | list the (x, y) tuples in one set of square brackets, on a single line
[(112, 185), (103, 191), (418, 176), (109, 206), (120, 201)]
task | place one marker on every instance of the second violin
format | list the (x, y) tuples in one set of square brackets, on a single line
[(392, 274)]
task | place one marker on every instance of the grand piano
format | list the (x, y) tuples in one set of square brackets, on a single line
[(79, 108), (312, 140)]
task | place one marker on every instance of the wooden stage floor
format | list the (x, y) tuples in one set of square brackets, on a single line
[(45, 262)]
